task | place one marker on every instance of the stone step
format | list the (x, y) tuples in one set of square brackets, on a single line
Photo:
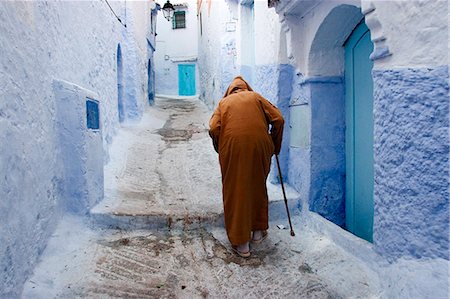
[(109, 214)]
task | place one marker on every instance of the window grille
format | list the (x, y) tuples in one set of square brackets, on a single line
[(179, 20)]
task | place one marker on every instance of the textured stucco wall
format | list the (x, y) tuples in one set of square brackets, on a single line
[(328, 148), (303, 19), (217, 50), (80, 148), (411, 152), (42, 42), (274, 82), (418, 29), (267, 34), (299, 155), (414, 27), (411, 113)]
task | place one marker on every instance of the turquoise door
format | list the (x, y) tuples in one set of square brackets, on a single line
[(186, 79), (359, 133)]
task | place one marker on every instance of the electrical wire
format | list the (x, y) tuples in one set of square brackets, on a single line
[(117, 17)]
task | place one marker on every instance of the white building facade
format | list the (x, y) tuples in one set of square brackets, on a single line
[(177, 51)]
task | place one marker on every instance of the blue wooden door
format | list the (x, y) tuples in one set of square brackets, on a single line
[(186, 79), (359, 133)]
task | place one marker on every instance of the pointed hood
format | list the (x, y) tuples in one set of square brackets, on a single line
[(238, 83)]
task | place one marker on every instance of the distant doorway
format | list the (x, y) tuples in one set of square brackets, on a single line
[(120, 99), (359, 133), (186, 79)]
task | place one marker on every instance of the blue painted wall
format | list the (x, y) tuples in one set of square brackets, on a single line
[(274, 82), (328, 148), (317, 168), (284, 92), (151, 81), (411, 149), (299, 158)]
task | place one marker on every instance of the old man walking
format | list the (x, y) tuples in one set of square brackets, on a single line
[(239, 129)]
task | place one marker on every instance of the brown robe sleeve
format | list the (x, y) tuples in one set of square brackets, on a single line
[(276, 120), (214, 128)]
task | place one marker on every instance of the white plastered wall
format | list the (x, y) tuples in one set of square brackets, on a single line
[(413, 31)]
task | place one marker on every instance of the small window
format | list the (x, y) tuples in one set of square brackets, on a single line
[(179, 20), (92, 114)]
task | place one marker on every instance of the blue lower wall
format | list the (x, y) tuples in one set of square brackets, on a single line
[(411, 152), (274, 82), (411, 148), (247, 73), (327, 195)]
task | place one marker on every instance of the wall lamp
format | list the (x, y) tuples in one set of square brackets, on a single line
[(168, 10)]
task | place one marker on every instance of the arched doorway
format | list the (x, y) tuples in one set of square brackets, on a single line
[(359, 133), (326, 87), (340, 84), (120, 99)]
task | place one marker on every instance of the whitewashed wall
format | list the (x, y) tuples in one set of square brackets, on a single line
[(236, 41), (217, 49), (174, 46), (43, 43)]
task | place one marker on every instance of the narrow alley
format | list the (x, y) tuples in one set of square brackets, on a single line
[(111, 187), (159, 231)]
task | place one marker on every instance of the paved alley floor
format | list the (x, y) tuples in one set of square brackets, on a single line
[(165, 172), (159, 234), (81, 262)]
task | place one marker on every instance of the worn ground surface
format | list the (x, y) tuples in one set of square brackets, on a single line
[(197, 263), (158, 233), (165, 172)]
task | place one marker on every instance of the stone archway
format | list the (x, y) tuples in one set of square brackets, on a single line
[(327, 105)]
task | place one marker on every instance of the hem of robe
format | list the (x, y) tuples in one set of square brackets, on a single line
[(242, 239)]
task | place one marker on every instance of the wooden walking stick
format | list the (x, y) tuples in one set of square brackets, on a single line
[(285, 198)]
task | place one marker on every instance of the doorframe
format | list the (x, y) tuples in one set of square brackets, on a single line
[(355, 37)]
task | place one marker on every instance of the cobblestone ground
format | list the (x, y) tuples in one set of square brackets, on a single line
[(164, 170)]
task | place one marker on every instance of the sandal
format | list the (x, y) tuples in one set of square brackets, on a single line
[(240, 253), (263, 237)]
